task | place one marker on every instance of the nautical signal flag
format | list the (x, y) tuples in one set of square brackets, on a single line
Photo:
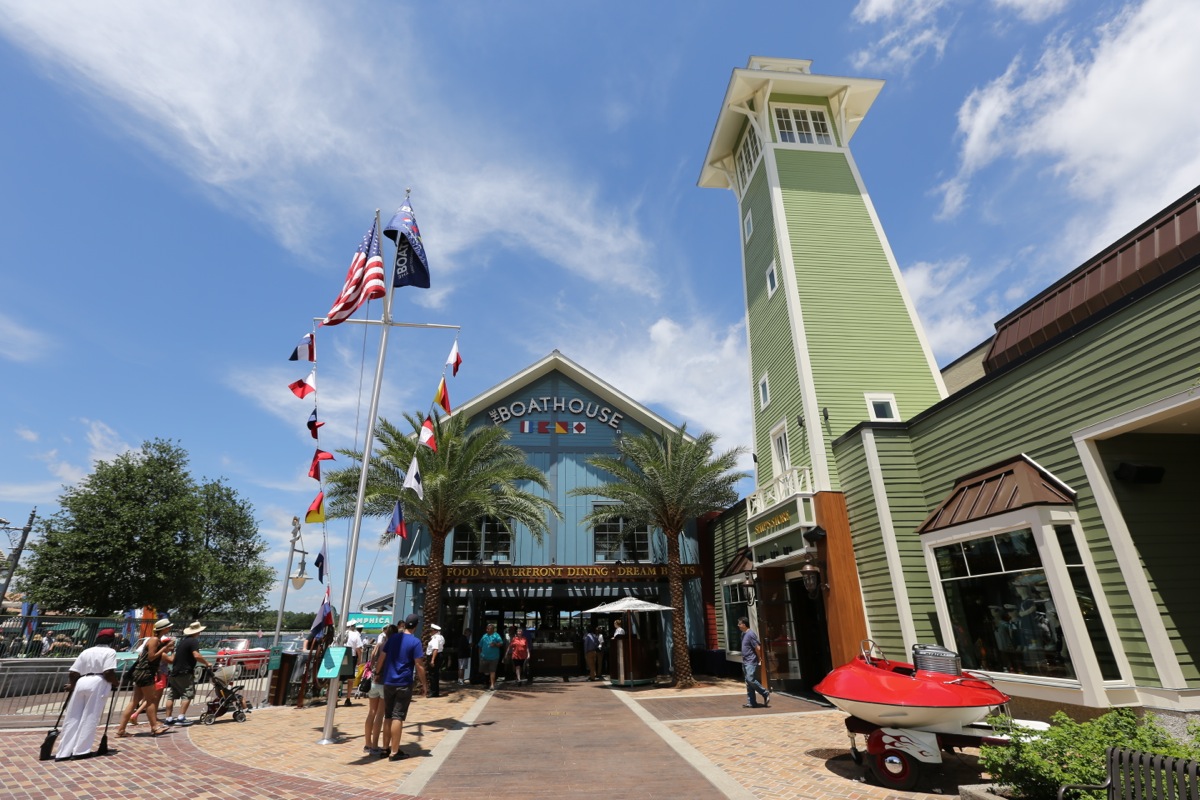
[(427, 434), (313, 424), (306, 350), (314, 470), (442, 398), (321, 563), (364, 280), (316, 510), (397, 526), (412, 479), (304, 388), (412, 267), (324, 615), (548, 426), (454, 360)]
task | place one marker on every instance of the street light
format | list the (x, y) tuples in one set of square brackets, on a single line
[(16, 553), (297, 580)]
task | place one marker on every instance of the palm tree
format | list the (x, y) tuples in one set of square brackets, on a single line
[(666, 482), (473, 474)]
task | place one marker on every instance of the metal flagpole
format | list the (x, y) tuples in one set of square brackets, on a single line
[(344, 608)]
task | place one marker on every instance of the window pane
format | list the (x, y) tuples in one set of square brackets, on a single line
[(1093, 623), (1018, 550), (981, 556), (733, 636), (1066, 542), (1001, 623), (951, 562), (882, 409), (465, 546), (783, 125), (822, 127)]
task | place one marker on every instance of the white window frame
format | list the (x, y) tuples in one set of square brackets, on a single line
[(764, 391), (733, 644), (809, 125), (882, 397), (772, 280), (781, 462), (1041, 520), (746, 157), (488, 532), (748, 225), (629, 535)]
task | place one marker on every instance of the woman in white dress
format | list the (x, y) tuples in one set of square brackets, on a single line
[(93, 676)]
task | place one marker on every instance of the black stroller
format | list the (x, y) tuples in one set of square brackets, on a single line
[(226, 697)]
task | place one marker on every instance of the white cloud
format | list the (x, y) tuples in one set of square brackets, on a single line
[(273, 113), (27, 434), (1108, 115), (954, 304), (1033, 10), (22, 344), (914, 29), (104, 443)]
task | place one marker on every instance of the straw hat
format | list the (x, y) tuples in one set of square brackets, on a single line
[(162, 625), (193, 629)]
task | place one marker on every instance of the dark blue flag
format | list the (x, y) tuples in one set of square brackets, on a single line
[(412, 267)]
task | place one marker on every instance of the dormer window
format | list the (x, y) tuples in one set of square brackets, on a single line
[(802, 125)]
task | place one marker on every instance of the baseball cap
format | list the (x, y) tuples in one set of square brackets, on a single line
[(411, 621)]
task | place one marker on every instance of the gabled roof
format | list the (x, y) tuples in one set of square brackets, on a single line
[(1016, 483), (557, 362), (742, 562)]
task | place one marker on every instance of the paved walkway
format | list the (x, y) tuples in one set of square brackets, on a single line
[(551, 740)]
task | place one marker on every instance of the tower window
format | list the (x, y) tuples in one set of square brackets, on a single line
[(764, 392), (747, 158), (621, 540), (798, 125), (748, 224), (882, 407), (772, 281)]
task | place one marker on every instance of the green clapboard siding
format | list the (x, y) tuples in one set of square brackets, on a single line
[(1147, 351), (771, 349), (729, 539), (860, 335)]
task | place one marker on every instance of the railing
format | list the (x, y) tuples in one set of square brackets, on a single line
[(32, 691), (789, 484)]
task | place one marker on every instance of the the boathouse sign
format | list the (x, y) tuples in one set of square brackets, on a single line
[(550, 404)]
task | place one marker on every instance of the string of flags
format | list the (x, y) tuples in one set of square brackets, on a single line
[(365, 281)]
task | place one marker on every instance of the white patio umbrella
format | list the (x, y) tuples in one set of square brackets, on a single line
[(627, 604)]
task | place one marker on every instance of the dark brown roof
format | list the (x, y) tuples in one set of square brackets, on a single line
[(1016, 483), (1150, 251)]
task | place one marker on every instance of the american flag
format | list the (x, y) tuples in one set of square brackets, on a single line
[(364, 280)]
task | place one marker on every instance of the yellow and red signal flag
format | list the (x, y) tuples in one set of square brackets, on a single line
[(442, 398), (316, 510)]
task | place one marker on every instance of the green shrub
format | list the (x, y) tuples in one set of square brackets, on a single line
[(1038, 762)]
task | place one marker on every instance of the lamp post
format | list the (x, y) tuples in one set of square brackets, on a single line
[(298, 580), (16, 553)]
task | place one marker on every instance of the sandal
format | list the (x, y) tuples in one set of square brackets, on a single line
[(160, 731), (123, 734)]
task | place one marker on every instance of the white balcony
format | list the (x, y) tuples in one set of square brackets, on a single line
[(793, 483)]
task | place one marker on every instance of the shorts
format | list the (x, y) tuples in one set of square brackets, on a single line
[(488, 665), (376, 691), (395, 701), (181, 687)]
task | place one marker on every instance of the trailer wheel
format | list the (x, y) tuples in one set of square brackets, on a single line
[(895, 769)]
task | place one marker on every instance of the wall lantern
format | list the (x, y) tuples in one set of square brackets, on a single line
[(810, 575), (748, 583)]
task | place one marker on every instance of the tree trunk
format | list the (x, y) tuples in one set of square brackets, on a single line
[(679, 646), (435, 576)]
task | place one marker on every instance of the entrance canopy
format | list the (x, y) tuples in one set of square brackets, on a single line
[(627, 604)]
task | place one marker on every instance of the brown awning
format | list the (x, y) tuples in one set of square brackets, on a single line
[(1017, 483)]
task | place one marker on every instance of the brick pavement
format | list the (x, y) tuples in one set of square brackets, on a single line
[(556, 738)]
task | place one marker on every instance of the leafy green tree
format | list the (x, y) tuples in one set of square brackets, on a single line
[(135, 532), (474, 474), (666, 483), (229, 576)]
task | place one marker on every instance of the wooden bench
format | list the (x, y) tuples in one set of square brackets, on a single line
[(1133, 775)]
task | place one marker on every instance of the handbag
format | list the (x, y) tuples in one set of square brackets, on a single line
[(142, 673)]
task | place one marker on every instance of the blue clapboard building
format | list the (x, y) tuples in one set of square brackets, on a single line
[(561, 415)]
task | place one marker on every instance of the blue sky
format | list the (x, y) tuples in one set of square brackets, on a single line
[(182, 188)]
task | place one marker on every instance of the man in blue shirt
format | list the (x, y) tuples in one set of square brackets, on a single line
[(490, 645), (400, 660), (751, 658)]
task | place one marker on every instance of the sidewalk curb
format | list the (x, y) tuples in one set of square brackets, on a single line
[(414, 784)]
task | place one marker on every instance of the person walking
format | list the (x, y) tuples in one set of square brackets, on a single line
[(144, 674), (591, 651), (182, 683), (752, 657), (491, 644), (399, 663), (92, 676), (464, 657), (518, 653), (433, 652)]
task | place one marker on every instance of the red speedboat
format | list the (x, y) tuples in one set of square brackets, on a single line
[(930, 694)]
